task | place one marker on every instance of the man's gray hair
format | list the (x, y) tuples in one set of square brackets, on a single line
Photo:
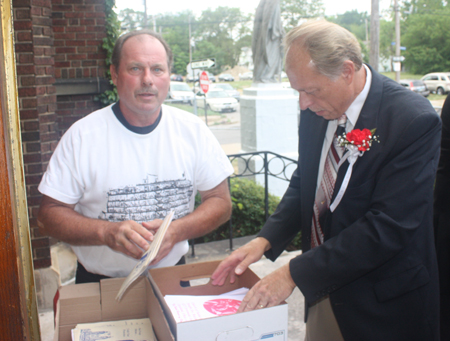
[(117, 52), (329, 46)]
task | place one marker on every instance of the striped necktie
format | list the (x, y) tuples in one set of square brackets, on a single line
[(325, 191)]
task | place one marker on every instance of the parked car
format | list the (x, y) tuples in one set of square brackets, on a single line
[(180, 93), (438, 82), (415, 85), (226, 77), (176, 78), (227, 88), (192, 78), (217, 100), (246, 76), (211, 77)]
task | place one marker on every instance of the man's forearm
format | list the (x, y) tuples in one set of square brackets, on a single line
[(63, 223), (59, 220), (214, 210)]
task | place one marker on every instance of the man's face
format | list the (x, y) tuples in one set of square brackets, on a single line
[(142, 80), (327, 98)]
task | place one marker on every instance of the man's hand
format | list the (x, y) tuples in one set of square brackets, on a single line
[(169, 240), (61, 221), (269, 291), (239, 260), (128, 237)]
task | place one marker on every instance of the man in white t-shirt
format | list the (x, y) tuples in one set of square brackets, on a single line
[(117, 172)]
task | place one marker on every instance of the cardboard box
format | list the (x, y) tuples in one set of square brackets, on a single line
[(262, 324), (95, 302)]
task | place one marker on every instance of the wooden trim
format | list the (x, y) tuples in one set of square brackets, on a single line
[(18, 315)]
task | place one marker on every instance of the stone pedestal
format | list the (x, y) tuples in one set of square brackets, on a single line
[(269, 122)]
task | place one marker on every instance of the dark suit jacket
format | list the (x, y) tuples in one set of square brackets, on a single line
[(378, 261), (442, 220)]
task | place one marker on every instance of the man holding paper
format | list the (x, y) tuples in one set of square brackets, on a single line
[(119, 171), (362, 199)]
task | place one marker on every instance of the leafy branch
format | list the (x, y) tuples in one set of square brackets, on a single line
[(112, 26)]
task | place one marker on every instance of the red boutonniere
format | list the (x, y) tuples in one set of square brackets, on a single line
[(357, 142), (358, 139)]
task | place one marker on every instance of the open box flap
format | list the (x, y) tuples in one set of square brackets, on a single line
[(163, 322), (169, 278)]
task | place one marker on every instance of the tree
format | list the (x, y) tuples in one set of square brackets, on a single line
[(387, 36), (221, 33), (175, 30), (294, 11), (357, 23), (131, 19), (427, 39)]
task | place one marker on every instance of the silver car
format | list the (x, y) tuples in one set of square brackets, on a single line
[(228, 89), (217, 100), (438, 82), (415, 85)]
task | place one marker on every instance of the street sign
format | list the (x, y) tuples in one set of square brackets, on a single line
[(397, 66), (403, 48), (398, 59), (203, 63), (204, 82)]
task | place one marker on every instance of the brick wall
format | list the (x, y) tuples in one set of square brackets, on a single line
[(60, 65), (37, 102), (79, 29)]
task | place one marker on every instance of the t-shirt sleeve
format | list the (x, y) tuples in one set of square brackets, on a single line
[(214, 165), (61, 180)]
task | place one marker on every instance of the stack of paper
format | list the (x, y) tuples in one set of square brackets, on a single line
[(188, 308), (148, 256), (130, 330)]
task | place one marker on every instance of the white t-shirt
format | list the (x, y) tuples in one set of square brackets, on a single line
[(114, 174)]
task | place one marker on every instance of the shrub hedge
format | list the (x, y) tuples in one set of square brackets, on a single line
[(248, 215)]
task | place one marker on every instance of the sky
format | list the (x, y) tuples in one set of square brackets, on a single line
[(332, 7)]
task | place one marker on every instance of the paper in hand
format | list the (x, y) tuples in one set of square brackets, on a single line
[(148, 256)]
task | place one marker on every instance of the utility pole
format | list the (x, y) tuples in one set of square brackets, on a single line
[(374, 35), (190, 43), (397, 63), (145, 13)]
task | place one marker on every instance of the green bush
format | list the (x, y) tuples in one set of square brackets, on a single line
[(248, 215)]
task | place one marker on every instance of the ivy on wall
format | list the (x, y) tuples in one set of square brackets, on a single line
[(112, 26)]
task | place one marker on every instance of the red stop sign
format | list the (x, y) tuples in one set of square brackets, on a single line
[(204, 82)]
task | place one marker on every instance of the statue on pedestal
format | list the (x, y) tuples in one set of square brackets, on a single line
[(268, 34)]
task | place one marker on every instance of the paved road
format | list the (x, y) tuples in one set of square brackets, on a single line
[(228, 133)]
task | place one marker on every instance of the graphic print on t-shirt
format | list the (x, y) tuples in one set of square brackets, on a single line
[(148, 201)]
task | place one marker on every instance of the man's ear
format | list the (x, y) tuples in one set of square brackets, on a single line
[(114, 75), (348, 71)]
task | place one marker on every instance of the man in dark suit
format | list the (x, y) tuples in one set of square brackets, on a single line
[(368, 269)]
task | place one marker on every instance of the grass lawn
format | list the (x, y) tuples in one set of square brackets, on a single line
[(200, 111)]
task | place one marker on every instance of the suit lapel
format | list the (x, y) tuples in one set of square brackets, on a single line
[(367, 119)]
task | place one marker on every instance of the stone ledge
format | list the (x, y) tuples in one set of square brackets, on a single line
[(82, 86)]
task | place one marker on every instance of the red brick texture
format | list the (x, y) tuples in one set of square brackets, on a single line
[(54, 40)]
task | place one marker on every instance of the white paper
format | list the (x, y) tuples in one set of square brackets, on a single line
[(148, 256), (188, 308), (129, 330)]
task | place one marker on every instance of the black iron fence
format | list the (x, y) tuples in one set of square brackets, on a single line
[(264, 164)]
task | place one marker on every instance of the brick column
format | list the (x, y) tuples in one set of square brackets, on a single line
[(37, 103)]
